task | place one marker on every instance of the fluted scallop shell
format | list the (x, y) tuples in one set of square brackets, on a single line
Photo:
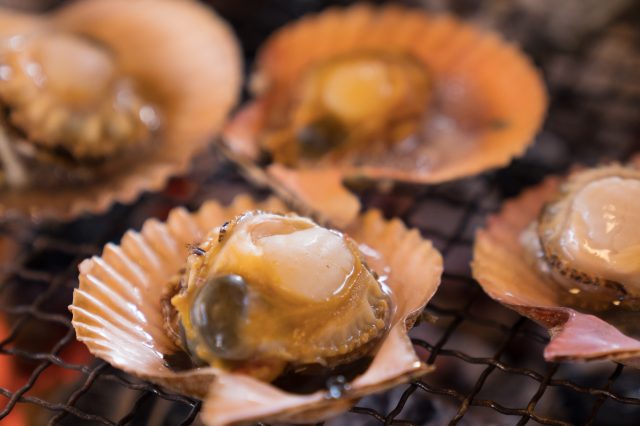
[(117, 313), (181, 49), (472, 67), (500, 265)]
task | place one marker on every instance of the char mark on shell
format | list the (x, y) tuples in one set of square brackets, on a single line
[(194, 249), (223, 231)]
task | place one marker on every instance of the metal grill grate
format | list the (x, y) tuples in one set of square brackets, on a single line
[(489, 360)]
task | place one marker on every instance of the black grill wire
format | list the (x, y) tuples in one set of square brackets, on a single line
[(489, 361)]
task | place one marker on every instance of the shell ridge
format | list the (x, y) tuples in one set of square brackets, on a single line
[(128, 268), (101, 288), (157, 236), (89, 302), (99, 324), (183, 227), (104, 272), (137, 247)]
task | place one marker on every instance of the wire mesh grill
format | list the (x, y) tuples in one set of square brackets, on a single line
[(489, 361)]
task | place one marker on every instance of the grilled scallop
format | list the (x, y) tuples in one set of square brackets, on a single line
[(268, 291), (565, 254), (267, 318), (353, 105), (63, 92), (102, 99), (587, 238), (386, 94)]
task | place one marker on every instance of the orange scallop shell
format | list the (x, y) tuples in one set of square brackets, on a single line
[(485, 72), (12, 23), (185, 52), (117, 313), (500, 267)]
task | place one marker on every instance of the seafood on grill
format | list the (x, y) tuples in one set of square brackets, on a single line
[(391, 94), (586, 238), (104, 99), (266, 292), (567, 255), (271, 318)]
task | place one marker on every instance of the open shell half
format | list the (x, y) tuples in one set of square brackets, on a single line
[(484, 105), (183, 57), (503, 267), (117, 313)]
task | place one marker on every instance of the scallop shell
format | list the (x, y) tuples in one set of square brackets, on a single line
[(13, 22), (195, 93), (117, 313), (500, 267), (479, 68)]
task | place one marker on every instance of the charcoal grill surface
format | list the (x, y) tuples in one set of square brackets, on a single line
[(489, 361)]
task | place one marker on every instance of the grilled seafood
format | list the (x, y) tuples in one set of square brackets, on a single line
[(267, 291), (586, 240), (103, 99)]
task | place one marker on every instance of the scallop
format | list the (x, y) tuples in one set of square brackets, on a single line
[(391, 94), (350, 106), (589, 235), (270, 317), (95, 87), (565, 253), (268, 291)]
